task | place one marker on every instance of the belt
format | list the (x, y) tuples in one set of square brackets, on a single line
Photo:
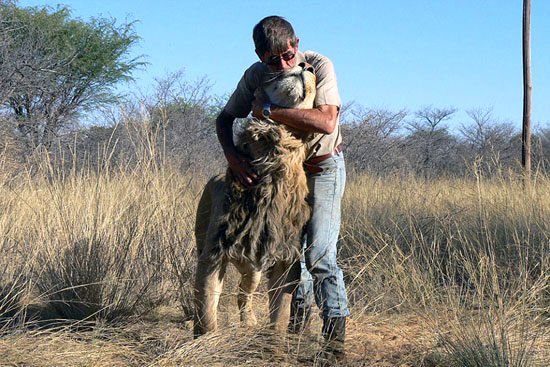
[(311, 164)]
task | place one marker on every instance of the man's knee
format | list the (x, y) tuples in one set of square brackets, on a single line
[(319, 262)]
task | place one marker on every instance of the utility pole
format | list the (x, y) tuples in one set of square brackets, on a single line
[(527, 86)]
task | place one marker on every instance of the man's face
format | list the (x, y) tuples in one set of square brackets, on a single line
[(284, 60)]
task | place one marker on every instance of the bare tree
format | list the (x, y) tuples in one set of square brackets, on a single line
[(489, 142), (185, 112), (371, 140), (430, 145), (429, 118)]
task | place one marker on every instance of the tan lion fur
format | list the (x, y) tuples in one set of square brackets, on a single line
[(257, 228)]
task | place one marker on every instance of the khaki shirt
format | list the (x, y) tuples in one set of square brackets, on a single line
[(240, 102)]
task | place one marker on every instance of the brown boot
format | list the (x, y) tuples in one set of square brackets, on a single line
[(300, 317), (333, 352)]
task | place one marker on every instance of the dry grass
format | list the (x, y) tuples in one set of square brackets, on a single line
[(471, 258), (440, 273)]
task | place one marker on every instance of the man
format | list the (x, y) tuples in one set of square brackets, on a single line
[(277, 48)]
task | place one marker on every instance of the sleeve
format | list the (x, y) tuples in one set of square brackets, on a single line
[(327, 86), (239, 104)]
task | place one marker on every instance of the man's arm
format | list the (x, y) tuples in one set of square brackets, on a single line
[(321, 119), (238, 163)]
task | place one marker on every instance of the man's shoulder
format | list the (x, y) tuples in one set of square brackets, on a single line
[(315, 59), (256, 70), (252, 77), (323, 65), (256, 67)]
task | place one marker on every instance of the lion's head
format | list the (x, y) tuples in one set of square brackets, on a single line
[(291, 88)]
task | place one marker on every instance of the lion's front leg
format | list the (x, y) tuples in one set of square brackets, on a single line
[(250, 279), (208, 287), (283, 280)]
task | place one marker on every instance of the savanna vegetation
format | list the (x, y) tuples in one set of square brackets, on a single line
[(445, 249)]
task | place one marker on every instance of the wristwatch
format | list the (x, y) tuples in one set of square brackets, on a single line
[(266, 111)]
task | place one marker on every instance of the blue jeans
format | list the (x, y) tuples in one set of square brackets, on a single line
[(321, 277)]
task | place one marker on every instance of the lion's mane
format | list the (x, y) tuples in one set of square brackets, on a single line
[(263, 224)]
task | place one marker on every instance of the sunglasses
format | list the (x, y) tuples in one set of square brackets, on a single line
[(275, 60)]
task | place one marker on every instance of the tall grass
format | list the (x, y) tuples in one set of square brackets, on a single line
[(469, 258), (104, 244), (472, 257)]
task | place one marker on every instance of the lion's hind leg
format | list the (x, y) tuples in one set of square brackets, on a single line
[(283, 279), (211, 262), (250, 279), (208, 287)]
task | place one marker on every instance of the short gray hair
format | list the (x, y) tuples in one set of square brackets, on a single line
[(272, 34)]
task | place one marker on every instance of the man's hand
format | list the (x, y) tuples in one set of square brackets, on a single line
[(242, 169), (238, 163)]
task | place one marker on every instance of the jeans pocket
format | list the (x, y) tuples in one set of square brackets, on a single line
[(327, 167)]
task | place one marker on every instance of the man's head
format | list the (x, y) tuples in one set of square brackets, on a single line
[(275, 41)]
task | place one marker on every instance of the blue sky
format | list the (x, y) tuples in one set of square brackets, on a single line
[(390, 54)]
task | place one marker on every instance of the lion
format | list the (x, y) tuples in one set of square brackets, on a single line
[(259, 228)]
